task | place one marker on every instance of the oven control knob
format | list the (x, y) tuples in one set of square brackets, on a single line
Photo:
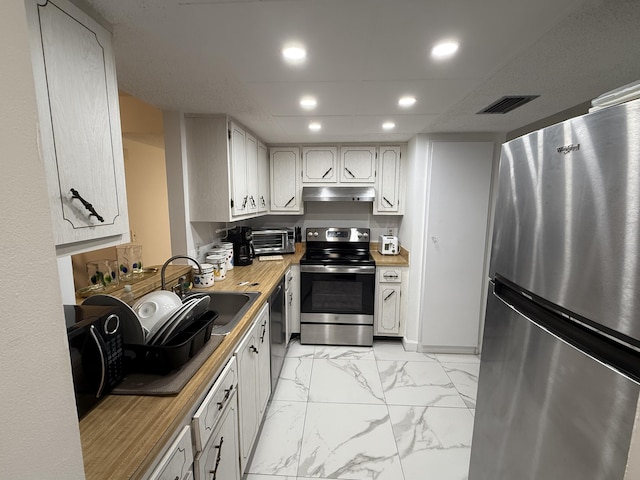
[(315, 234), (365, 235), (359, 235), (309, 234)]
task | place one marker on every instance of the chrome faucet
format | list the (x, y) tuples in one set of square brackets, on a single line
[(164, 267)]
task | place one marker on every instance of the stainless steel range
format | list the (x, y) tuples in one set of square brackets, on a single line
[(337, 287)]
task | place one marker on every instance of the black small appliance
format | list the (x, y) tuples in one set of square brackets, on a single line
[(243, 251), (96, 350)]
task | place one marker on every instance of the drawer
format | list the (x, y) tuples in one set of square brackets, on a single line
[(390, 275), (178, 460), (205, 418)]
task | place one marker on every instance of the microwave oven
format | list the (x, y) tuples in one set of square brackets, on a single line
[(274, 241), (96, 350)]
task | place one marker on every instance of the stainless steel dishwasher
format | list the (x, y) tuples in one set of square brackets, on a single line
[(278, 322)]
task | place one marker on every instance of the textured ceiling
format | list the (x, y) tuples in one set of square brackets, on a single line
[(223, 56)]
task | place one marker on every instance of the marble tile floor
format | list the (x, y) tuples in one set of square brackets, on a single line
[(377, 413)]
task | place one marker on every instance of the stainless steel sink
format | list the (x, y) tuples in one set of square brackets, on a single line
[(231, 307)]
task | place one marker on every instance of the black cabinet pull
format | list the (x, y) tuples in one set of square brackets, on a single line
[(264, 204), (350, 172), (87, 205), (386, 200), (253, 349), (227, 392), (327, 172), (292, 199), (389, 296), (244, 201), (264, 331), (215, 469)]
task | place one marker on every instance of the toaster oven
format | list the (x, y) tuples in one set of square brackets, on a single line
[(274, 241)]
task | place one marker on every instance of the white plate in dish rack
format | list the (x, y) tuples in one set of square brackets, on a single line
[(154, 337), (197, 308)]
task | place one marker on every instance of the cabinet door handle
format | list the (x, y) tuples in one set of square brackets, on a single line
[(253, 349), (389, 296), (253, 202), (390, 276), (219, 448), (264, 331), (387, 200), (350, 172), (227, 392), (264, 204), (87, 205), (327, 172), (244, 201), (287, 204)]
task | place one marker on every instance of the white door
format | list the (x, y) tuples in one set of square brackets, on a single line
[(319, 164), (285, 180), (358, 164), (238, 160), (388, 191), (79, 122), (263, 178), (251, 152), (459, 188), (264, 361), (388, 318), (247, 358)]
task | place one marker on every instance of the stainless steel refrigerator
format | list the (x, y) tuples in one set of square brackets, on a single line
[(560, 363)]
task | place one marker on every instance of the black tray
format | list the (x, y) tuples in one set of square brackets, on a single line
[(162, 359)]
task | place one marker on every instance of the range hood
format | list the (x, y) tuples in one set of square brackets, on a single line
[(338, 194)]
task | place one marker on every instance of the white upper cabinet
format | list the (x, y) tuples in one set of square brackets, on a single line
[(319, 164), (238, 163), (79, 120), (285, 181), (263, 178), (358, 164), (223, 170), (251, 172), (389, 199)]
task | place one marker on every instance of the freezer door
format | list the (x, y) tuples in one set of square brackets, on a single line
[(545, 410), (568, 216)]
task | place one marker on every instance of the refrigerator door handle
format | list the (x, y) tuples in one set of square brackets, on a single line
[(604, 349)]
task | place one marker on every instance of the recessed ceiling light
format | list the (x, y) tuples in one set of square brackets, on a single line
[(407, 101), (308, 103), (388, 125), (315, 126), (294, 53), (444, 49)]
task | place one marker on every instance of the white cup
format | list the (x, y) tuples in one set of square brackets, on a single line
[(228, 247)]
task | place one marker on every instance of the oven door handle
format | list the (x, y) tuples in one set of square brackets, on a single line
[(362, 269)]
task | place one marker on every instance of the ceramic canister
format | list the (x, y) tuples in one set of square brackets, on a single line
[(219, 262), (206, 278), (228, 246)]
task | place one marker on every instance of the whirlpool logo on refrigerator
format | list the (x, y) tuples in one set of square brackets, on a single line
[(574, 147)]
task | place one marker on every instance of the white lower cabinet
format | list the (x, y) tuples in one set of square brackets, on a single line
[(254, 382), (219, 459), (215, 429), (390, 301), (293, 300), (177, 462)]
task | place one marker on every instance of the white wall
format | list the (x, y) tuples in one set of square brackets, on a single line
[(40, 436)]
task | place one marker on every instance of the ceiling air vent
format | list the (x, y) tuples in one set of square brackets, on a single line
[(506, 104)]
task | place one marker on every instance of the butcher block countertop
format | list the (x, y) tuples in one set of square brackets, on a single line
[(124, 435), (401, 260)]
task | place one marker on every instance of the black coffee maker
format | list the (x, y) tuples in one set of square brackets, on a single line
[(242, 239)]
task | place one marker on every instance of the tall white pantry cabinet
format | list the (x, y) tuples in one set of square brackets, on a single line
[(79, 121)]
